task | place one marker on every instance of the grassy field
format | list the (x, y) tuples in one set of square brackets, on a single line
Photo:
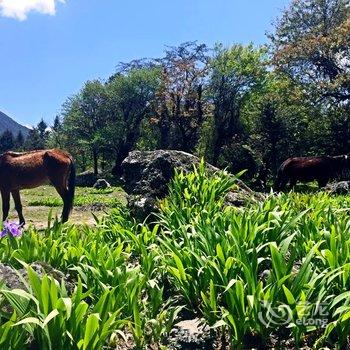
[(274, 274), (39, 201)]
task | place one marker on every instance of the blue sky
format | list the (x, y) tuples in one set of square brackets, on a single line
[(48, 53)]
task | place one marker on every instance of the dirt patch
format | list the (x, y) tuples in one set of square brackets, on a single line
[(38, 216)]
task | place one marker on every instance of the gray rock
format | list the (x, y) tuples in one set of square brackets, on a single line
[(101, 184), (146, 176), (10, 277), (14, 279), (341, 187), (191, 334)]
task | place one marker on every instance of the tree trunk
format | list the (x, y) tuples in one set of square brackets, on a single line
[(164, 126), (95, 160), (121, 155)]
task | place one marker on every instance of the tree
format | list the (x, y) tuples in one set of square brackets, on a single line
[(42, 130), (131, 95), (19, 141), (84, 116), (6, 141), (33, 140), (339, 131), (180, 104), (37, 137), (281, 122), (57, 125), (56, 135), (272, 133), (235, 73), (311, 44)]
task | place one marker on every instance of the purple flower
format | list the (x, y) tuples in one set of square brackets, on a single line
[(11, 228)]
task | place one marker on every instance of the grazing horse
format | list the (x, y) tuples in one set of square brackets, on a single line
[(306, 169), (33, 169)]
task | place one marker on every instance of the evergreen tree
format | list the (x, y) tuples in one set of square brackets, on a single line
[(57, 125), (43, 131), (19, 141), (6, 141), (33, 141)]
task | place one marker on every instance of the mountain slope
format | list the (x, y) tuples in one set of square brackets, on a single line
[(6, 123)]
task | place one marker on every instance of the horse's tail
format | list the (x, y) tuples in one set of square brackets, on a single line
[(71, 184)]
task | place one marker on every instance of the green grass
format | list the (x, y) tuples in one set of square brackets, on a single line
[(84, 196), (257, 272)]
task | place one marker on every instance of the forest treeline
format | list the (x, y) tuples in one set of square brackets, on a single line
[(240, 107)]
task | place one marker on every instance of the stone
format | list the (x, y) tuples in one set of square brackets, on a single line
[(341, 187), (191, 334), (101, 184), (10, 277), (194, 326), (14, 279)]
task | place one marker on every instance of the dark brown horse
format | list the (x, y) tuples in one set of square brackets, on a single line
[(306, 169), (32, 169)]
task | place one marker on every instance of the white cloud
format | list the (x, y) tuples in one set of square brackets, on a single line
[(19, 9)]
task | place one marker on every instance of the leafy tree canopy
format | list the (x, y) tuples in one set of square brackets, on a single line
[(311, 44)]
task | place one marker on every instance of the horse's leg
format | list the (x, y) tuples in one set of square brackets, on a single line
[(322, 182), (5, 195), (292, 183), (283, 183), (18, 205), (62, 191)]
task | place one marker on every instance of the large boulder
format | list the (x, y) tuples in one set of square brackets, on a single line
[(146, 176)]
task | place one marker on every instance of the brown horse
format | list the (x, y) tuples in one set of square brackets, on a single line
[(306, 169), (32, 169)]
